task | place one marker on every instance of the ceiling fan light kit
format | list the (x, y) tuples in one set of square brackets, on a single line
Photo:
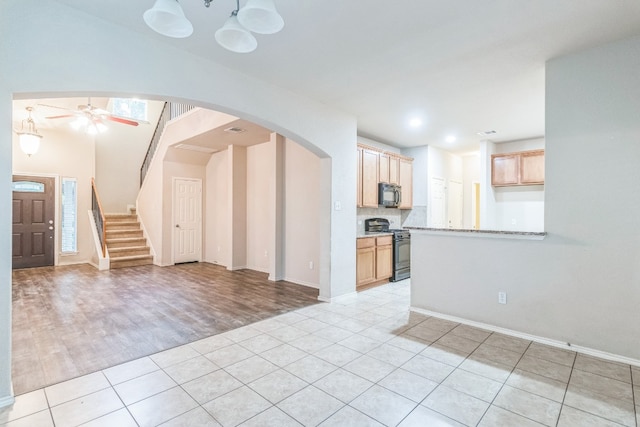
[(258, 16), (29, 137)]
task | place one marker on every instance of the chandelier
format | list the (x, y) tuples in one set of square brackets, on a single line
[(29, 136), (257, 16)]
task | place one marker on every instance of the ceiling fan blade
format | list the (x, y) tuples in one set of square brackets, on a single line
[(121, 120), (60, 117), (55, 106)]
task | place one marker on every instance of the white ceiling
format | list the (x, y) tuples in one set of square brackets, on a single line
[(463, 66)]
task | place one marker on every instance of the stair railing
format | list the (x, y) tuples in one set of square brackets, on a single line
[(98, 216), (170, 110)]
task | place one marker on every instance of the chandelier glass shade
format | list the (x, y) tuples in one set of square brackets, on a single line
[(166, 17), (28, 136)]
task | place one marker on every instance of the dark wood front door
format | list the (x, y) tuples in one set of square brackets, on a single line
[(33, 221)]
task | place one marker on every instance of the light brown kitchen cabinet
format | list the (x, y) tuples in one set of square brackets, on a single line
[(406, 183), (374, 260), (383, 168), (375, 166), (532, 167), (522, 168), (394, 167), (370, 166)]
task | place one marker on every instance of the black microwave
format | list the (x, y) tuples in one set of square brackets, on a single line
[(389, 195)]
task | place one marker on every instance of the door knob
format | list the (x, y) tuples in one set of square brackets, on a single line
[(50, 227), (50, 221), (177, 225)]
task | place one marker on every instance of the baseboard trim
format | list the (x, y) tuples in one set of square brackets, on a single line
[(338, 298), (7, 401), (542, 340), (302, 283)]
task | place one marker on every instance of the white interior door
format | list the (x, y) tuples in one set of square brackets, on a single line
[(454, 209), (187, 215), (437, 199)]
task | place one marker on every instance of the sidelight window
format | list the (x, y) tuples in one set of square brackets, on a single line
[(69, 215)]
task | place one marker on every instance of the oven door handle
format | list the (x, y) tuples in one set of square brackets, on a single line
[(396, 197)]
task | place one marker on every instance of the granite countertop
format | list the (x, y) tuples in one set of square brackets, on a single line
[(532, 235), (363, 234)]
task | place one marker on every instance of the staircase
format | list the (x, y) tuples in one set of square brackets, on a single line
[(126, 245)]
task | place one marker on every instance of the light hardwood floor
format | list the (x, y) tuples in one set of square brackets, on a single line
[(72, 320)]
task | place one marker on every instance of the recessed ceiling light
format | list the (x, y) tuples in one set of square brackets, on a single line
[(415, 122), (487, 133), (450, 139)]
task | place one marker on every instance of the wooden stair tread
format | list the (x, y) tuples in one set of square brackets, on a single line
[(125, 241), (131, 257)]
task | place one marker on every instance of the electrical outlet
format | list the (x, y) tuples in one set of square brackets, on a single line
[(310, 265), (337, 206), (502, 297)]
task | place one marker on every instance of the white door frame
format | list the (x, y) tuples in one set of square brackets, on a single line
[(174, 217)]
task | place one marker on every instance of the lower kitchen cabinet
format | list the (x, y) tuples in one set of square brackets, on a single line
[(374, 260)]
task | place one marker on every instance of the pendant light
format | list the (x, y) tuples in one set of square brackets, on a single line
[(29, 137), (258, 16), (167, 18), (235, 37)]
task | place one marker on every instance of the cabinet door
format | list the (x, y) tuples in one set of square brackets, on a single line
[(406, 182), (504, 169), (383, 169), (370, 178), (394, 166), (384, 262), (359, 195), (365, 265), (532, 167)]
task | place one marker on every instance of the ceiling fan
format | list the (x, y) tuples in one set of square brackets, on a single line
[(89, 117)]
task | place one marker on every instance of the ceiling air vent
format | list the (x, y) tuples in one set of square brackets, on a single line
[(235, 129), (487, 133)]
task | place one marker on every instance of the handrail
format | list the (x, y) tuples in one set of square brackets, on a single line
[(170, 110), (98, 216)]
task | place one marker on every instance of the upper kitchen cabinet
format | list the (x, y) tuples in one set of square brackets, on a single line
[(522, 168), (374, 166), (368, 176)]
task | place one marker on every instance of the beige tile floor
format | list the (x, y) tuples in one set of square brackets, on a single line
[(363, 361)]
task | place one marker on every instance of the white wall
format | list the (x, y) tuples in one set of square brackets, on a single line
[(302, 213), (216, 244), (58, 34), (580, 284), (441, 164), (470, 175), (65, 155), (120, 152), (512, 208), (260, 169)]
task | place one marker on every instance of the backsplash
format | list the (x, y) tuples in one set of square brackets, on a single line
[(415, 217), (393, 215)]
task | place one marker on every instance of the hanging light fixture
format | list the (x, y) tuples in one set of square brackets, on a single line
[(29, 137), (167, 18), (258, 16)]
